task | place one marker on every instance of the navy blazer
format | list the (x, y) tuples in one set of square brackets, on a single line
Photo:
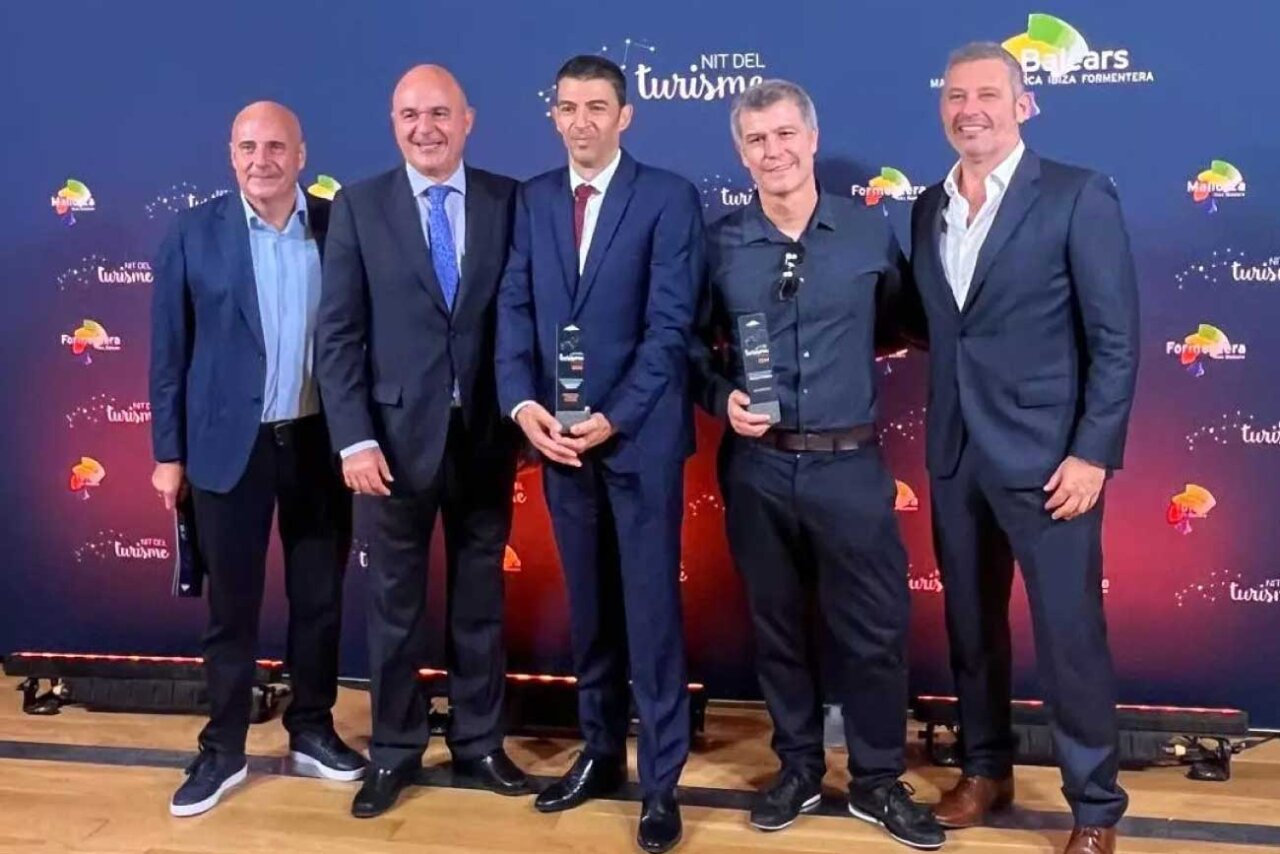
[(1042, 359), (634, 302), (208, 359), (388, 349)]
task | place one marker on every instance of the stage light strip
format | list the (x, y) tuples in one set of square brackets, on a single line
[(142, 659), (431, 673), (1035, 704)]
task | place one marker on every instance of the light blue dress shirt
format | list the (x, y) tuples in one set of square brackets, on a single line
[(286, 270), (455, 208)]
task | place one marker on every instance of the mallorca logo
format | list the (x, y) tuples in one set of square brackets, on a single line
[(1193, 502), (325, 188), (1206, 342), (1054, 52), (891, 183), (905, 501), (1220, 181), (90, 335), (73, 198), (86, 475)]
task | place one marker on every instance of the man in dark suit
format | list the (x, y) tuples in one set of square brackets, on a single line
[(405, 362), (611, 247), (236, 420), (1024, 270)]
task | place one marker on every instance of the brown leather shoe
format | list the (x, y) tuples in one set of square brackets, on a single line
[(972, 798), (1092, 840)]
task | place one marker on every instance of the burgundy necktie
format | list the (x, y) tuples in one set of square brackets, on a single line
[(580, 197)]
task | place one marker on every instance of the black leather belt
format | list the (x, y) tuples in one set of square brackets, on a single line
[(834, 440)]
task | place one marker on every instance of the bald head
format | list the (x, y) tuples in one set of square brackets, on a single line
[(267, 153), (431, 120)]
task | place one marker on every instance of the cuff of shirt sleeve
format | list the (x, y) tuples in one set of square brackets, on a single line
[(515, 410), (357, 448)]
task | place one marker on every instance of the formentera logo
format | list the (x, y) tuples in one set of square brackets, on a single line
[(1053, 52), (1207, 342), (890, 183), (1193, 502)]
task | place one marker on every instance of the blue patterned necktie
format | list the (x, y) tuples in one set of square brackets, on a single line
[(444, 256)]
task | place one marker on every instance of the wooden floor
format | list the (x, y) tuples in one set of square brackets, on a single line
[(59, 803)]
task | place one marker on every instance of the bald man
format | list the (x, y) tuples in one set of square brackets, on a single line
[(406, 368), (237, 431)]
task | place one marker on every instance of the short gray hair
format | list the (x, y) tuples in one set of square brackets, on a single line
[(974, 51), (765, 94)]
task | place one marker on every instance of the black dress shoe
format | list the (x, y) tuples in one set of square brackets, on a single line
[(660, 826), (381, 789), (590, 777), (496, 772)]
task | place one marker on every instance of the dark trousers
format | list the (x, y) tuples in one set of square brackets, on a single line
[(473, 493), (618, 535), (822, 525), (292, 468), (980, 527)]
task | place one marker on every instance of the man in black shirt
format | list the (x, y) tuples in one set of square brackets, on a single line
[(808, 499)]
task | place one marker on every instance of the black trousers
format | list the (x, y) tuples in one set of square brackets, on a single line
[(293, 469), (473, 492), (823, 524), (980, 527)]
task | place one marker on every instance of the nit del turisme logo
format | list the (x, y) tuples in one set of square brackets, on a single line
[(713, 77)]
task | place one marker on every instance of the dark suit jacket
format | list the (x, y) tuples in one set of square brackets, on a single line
[(388, 349), (1041, 361), (634, 302), (208, 359)]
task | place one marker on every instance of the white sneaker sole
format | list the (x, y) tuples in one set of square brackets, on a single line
[(188, 810), (859, 814), (315, 768), (807, 807)]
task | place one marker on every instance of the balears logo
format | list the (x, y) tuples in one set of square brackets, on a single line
[(325, 187), (1221, 180), (1206, 342), (90, 335), (86, 475), (1054, 52), (905, 501), (1193, 502), (891, 183), (72, 198)]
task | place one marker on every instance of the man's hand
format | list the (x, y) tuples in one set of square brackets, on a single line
[(367, 473), (744, 422), (1076, 486), (543, 431), (169, 479), (585, 435)]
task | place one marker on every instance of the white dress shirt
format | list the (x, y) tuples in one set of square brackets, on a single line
[(962, 240), (601, 183)]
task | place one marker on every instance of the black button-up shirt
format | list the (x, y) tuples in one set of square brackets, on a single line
[(822, 340)]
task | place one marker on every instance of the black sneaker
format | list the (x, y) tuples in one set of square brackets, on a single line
[(209, 777), (323, 754), (780, 805), (890, 806)]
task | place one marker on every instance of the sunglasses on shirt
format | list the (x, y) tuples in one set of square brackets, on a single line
[(789, 278)]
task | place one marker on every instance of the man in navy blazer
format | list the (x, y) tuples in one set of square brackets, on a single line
[(612, 247), (1026, 278), (405, 361), (236, 422)]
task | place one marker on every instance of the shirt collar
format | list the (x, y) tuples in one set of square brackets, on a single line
[(601, 181), (299, 210), (1002, 174), (758, 226), (419, 182)]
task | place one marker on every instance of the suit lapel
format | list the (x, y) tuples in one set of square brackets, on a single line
[(616, 199), (932, 251), (1021, 195), (406, 226), (234, 241), (480, 219), (562, 228), (318, 221)]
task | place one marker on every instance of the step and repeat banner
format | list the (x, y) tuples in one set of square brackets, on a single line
[(117, 117)]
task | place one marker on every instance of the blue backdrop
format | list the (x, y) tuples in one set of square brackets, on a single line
[(117, 116)]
